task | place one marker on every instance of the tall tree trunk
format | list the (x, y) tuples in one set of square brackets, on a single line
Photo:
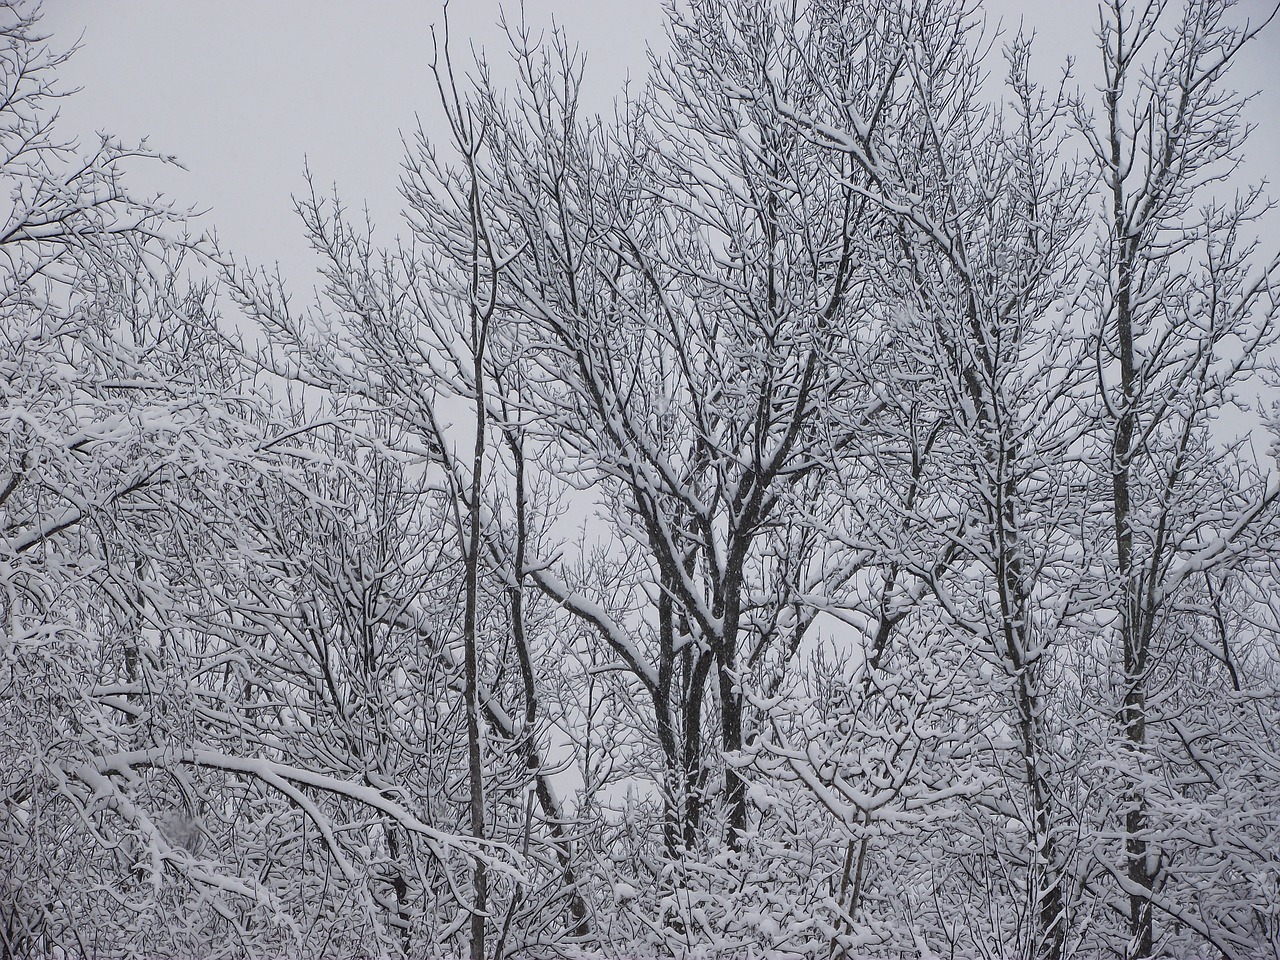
[(580, 926), (471, 668), (1132, 714), (1133, 708)]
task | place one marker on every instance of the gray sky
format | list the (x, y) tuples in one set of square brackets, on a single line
[(242, 90)]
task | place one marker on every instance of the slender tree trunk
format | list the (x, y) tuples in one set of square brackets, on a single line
[(1015, 613), (731, 696), (471, 668), (1133, 709), (1132, 716), (674, 821), (1000, 465), (694, 772), (475, 766), (580, 926), (400, 886), (731, 737)]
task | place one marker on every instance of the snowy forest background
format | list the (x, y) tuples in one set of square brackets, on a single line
[(827, 507)]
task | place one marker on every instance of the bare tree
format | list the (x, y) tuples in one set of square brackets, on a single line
[(1185, 317), (813, 337)]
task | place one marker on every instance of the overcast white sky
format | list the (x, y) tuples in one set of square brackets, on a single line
[(242, 90)]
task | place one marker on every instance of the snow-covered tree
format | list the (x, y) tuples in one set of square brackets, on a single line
[(811, 511)]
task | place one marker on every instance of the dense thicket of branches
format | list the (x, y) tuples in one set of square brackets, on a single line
[(826, 509)]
